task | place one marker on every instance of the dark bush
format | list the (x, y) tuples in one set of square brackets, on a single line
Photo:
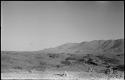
[(66, 62), (119, 68), (17, 67), (81, 60), (108, 60), (58, 66), (111, 60), (70, 58), (53, 55)]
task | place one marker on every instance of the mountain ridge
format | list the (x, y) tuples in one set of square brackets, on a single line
[(116, 45), (88, 44)]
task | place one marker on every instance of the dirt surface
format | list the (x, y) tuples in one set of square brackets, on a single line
[(56, 76)]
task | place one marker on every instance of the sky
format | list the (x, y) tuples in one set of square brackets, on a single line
[(36, 25)]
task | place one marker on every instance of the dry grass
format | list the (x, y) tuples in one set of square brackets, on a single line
[(50, 75)]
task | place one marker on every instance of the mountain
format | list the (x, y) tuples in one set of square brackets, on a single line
[(96, 46)]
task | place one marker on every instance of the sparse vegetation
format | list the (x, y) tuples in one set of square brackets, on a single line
[(100, 62), (66, 63), (51, 55)]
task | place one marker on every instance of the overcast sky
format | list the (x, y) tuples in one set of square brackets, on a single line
[(35, 25)]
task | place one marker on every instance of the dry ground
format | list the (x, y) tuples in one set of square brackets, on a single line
[(53, 75)]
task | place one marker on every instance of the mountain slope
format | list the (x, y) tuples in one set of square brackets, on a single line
[(96, 46)]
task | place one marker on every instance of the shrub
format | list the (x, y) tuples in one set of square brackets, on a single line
[(17, 67), (66, 62), (53, 55)]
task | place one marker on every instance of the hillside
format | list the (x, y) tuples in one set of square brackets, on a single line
[(97, 54), (97, 46)]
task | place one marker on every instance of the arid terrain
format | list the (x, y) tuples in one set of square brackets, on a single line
[(94, 60)]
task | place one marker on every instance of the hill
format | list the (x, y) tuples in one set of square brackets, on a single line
[(97, 46), (98, 54)]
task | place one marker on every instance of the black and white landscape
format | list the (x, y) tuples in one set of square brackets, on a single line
[(76, 59), (62, 40)]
